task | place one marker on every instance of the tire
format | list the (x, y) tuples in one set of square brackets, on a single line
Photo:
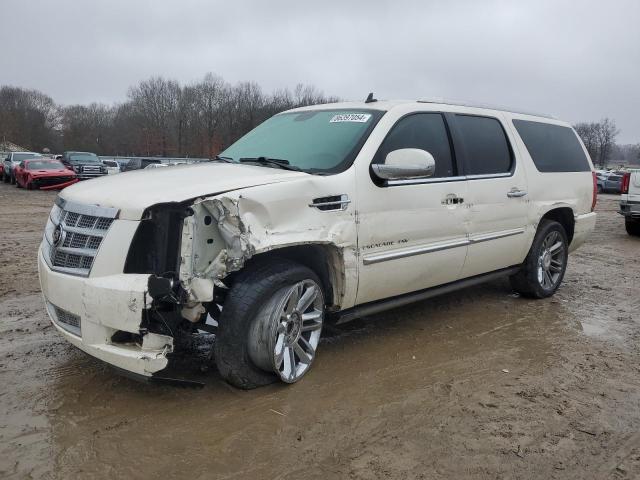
[(544, 268), (18, 184), (632, 226), (248, 325)]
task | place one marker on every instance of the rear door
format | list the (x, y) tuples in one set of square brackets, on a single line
[(497, 196)]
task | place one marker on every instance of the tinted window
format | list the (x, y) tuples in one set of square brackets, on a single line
[(553, 148), (426, 131), (83, 157), (485, 145)]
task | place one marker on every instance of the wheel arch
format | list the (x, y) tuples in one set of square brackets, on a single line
[(564, 215), (325, 259)]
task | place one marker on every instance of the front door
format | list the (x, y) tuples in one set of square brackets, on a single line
[(412, 234)]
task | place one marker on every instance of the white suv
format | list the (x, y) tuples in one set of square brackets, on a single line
[(630, 202), (322, 213)]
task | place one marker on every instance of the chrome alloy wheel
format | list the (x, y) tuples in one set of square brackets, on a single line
[(551, 260), (286, 333)]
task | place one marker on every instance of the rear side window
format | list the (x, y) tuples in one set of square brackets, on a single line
[(425, 131), (485, 144), (553, 148)]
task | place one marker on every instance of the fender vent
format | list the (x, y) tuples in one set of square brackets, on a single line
[(333, 202)]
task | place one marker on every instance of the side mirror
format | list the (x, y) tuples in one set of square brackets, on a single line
[(406, 163)]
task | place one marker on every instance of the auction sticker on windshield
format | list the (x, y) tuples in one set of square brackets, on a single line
[(351, 117)]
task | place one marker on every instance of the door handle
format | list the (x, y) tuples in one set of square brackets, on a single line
[(515, 193), (452, 199)]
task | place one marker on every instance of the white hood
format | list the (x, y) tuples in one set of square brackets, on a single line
[(132, 192)]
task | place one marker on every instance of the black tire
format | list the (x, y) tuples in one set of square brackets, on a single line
[(252, 288), (527, 281), (632, 226)]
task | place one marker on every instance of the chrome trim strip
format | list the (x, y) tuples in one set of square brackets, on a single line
[(410, 252), (485, 237), (85, 231), (460, 178), (437, 247)]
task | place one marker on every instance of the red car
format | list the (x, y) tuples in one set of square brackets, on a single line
[(45, 174)]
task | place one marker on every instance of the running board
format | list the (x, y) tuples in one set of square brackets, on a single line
[(407, 298)]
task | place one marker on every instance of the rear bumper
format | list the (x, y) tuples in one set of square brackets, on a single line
[(584, 225), (630, 209), (89, 311)]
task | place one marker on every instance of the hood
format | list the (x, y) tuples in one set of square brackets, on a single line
[(132, 192)]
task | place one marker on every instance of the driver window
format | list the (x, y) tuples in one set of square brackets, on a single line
[(426, 131)]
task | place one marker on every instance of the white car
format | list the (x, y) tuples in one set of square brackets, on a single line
[(322, 213), (630, 202), (113, 167)]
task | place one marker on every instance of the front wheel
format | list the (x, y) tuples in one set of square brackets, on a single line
[(270, 325), (545, 265)]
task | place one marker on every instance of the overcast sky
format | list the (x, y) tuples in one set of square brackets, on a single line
[(577, 60)]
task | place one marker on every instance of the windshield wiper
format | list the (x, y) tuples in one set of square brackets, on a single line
[(218, 158), (276, 162)]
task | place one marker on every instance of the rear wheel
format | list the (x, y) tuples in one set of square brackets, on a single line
[(545, 265), (632, 226), (270, 325)]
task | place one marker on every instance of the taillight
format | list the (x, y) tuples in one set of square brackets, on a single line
[(595, 191), (626, 179)]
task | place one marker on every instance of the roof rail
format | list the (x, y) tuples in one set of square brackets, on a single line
[(482, 105)]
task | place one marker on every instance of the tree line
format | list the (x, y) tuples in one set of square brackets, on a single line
[(160, 117)]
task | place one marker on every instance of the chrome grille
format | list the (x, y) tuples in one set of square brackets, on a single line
[(74, 234)]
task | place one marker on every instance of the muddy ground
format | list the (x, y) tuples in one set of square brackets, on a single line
[(476, 384)]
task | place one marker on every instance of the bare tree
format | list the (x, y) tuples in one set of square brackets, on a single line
[(160, 117), (209, 98), (155, 102)]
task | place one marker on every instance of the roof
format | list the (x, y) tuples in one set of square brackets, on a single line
[(385, 105)]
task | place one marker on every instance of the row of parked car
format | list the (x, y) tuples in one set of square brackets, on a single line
[(609, 181), (32, 170)]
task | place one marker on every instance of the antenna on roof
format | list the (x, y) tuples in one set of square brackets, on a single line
[(370, 98)]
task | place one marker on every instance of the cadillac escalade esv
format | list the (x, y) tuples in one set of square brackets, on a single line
[(320, 214)]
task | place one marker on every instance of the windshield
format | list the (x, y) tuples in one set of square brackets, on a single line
[(83, 158), (45, 165), (314, 141), (18, 157)]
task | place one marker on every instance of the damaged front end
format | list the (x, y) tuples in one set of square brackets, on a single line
[(187, 250)]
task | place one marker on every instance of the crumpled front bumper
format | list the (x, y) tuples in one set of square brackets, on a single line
[(88, 311)]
